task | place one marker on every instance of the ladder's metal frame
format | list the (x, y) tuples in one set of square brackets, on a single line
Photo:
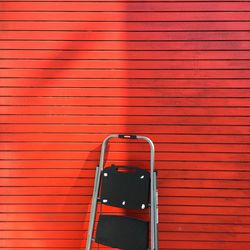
[(153, 191)]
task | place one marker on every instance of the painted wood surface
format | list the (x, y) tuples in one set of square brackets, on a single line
[(72, 72)]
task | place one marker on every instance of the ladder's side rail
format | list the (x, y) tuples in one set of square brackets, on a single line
[(156, 210), (96, 192), (93, 208), (153, 192)]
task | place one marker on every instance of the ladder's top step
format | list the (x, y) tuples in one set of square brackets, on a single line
[(125, 187)]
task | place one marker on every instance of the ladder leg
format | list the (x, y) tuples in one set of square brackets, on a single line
[(93, 208), (152, 214), (156, 211)]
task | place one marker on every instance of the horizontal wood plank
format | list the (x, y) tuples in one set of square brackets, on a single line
[(129, 6)]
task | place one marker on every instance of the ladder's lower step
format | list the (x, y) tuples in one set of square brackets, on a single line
[(122, 232)]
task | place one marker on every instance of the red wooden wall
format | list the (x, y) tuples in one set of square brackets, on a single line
[(75, 71)]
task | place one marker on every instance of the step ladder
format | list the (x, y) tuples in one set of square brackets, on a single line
[(129, 188)]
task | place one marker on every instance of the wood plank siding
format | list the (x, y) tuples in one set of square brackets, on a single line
[(74, 71)]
